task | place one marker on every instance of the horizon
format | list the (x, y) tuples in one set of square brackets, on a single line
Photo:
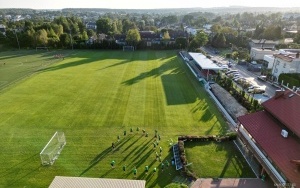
[(140, 4)]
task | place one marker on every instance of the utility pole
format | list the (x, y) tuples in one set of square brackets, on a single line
[(17, 39), (71, 38)]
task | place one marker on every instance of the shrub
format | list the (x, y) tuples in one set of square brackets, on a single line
[(176, 185)]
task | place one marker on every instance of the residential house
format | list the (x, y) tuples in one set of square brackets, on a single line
[(259, 53), (272, 138), (284, 61), (262, 43), (91, 25), (191, 31), (2, 29), (120, 39)]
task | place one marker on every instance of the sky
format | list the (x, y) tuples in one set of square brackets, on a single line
[(143, 4)]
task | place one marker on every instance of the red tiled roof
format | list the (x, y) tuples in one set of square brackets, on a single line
[(286, 109), (267, 134)]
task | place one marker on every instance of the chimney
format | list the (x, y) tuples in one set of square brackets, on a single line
[(279, 93)]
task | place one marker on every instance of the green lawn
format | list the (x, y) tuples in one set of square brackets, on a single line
[(93, 96), (217, 160), (20, 64)]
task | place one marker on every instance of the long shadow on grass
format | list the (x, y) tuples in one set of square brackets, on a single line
[(21, 164), (131, 152), (98, 56), (155, 72), (102, 155), (16, 180), (165, 176)]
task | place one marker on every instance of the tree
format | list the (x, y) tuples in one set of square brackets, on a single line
[(216, 28), (297, 37), (133, 37), (272, 33), (91, 33), (53, 39), (42, 37), (65, 40), (103, 25), (219, 40), (258, 32), (181, 42), (199, 40), (142, 24), (58, 29), (166, 36), (84, 36), (127, 25)]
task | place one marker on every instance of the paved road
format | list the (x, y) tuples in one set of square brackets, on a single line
[(250, 76)]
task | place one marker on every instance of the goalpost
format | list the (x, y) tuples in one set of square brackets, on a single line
[(43, 48), (53, 148), (128, 48)]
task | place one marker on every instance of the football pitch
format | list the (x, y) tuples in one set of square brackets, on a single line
[(94, 96)]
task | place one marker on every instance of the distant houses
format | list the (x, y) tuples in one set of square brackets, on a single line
[(2, 29)]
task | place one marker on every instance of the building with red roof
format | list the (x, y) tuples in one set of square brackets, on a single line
[(273, 138)]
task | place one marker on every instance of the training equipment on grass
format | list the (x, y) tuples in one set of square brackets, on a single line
[(128, 48), (53, 148)]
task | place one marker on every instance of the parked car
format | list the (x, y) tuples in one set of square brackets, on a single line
[(259, 91), (242, 62), (262, 78), (231, 71), (224, 66), (256, 89), (240, 78)]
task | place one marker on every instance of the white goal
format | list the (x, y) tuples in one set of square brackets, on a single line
[(128, 48), (53, 148)]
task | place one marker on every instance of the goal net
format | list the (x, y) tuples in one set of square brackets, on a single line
[(128, 48), (53, 148)]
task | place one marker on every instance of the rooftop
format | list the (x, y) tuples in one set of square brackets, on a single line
[(204, 62), (264, 41), (267, 134), (79, 182), (285, 57), (286, 109)]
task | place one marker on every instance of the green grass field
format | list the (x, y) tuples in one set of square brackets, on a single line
[(93, 96), (217, 160)]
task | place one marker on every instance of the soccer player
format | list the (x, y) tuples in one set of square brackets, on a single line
[(134, 172), (112, 164), (146, 169)]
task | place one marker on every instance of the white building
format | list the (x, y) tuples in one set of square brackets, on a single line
[(191, 31), (2, 29), (285, 61), (259, 53)]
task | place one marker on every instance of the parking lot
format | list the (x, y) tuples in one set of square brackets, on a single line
[(249, 76)]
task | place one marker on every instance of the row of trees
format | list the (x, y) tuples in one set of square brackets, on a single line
[(65, 32)]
